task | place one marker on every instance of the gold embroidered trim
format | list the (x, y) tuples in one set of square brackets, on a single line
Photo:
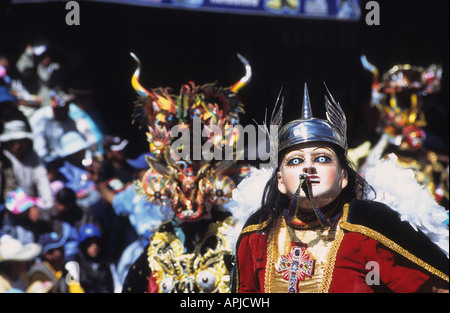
[(270, 263), (236, 277), (391, 245), (249, 229), (331, 259), (252, 228)]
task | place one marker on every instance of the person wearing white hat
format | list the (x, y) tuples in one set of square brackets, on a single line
[(73, 151), (29, 170), (114, 169), (76, 174), (49, 124), (14, 257), (15, 130), (72, 143)]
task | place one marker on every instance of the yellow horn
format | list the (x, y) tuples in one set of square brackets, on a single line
[(244, 80), (135, 79)]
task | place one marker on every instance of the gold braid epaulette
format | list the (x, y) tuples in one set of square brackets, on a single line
[(344, 224), (248, 229), (255, 227)]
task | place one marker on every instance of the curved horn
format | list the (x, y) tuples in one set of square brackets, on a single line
[(247, 77), (371, 68), (135, 78)]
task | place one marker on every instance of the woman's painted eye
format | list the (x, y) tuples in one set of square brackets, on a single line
[(323, 159), (294, 161)]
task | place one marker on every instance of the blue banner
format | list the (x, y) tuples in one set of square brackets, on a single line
[(347, 10)]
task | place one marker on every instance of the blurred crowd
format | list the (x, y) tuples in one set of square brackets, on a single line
[(67, 202)]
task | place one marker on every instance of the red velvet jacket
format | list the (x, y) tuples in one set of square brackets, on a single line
[(400, 270)]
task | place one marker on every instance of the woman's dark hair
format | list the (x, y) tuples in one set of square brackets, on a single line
[(274, 202)]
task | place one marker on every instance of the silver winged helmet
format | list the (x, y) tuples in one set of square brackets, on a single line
[(311, 129)]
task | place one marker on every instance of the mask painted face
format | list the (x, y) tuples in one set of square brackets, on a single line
[(320, 163)]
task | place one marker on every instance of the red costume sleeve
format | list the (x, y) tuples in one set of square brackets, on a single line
[(251, 255), (152, 285), (395, 272)]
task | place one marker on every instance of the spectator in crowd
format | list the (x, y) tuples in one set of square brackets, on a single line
[(4, 68), (88, 129), (14, 260), (27, 103), (30, 172), (8, 181), (5, 79), (96, 272), (57, 180), (37, 69), (49, 124), (66, 219), (51, 267), (115, 171), (44, 66), (22, 217), (76, 175), (8, 108), (85, 98)]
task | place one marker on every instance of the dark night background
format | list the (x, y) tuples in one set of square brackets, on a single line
[(176, 46)]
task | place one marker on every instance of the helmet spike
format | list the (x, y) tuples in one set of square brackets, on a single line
[(306, 108), (311, 129)]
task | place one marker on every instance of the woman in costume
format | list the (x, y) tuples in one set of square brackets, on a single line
[(315, 230), (191, 252)]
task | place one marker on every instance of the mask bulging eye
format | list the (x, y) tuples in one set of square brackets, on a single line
[(167, 285), (206, 281)]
